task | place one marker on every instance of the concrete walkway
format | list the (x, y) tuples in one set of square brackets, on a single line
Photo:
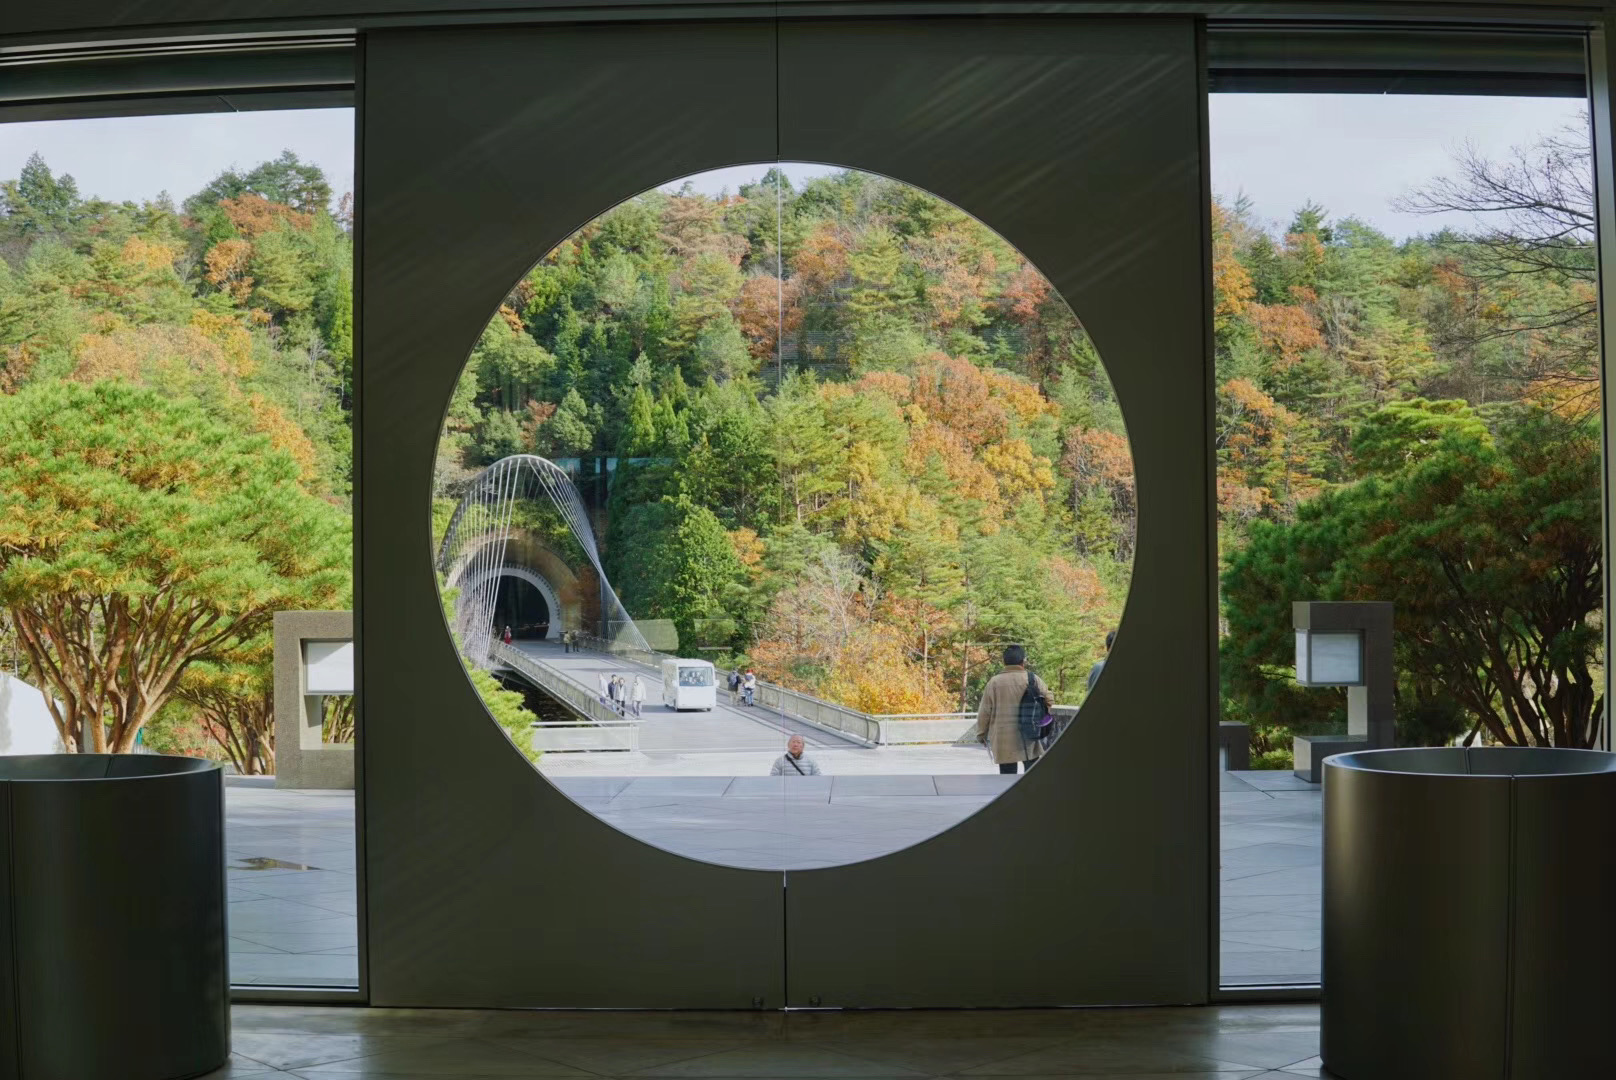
[(291, 853), (781, 823)]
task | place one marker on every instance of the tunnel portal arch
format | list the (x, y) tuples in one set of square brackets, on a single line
[(561, 617)]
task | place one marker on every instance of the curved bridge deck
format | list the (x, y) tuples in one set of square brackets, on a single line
[(727, 728)]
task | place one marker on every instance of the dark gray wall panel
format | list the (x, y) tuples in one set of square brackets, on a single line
[(1079, 142), (106, 18), (481, 150)]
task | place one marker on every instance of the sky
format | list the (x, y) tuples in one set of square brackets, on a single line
[(1354, 153), (135, 158), (1351, 153)]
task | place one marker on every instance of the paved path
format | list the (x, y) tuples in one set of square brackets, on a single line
[(728, 727), (1269, 870), (784, 822), (289, 872), (291, 853)]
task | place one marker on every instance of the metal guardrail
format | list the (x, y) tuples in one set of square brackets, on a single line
[(886, 729), (601, 729), (839, 719)]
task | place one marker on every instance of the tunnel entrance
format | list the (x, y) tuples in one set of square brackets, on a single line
[(522, 607)]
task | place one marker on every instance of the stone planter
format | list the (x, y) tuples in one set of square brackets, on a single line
[(113, 960), (1466, 900)]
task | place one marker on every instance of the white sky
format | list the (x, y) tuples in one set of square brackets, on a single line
[(731, 178), (134, 158), (1352, 153)]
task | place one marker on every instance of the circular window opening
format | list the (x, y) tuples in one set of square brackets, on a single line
[(752, 493)]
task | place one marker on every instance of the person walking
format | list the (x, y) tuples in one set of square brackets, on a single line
[(637, 696), (605, 689), (735, 688), (749, 686), (506, 636), (998, 717)]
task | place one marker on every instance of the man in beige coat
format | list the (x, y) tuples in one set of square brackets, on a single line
[(997, 722)]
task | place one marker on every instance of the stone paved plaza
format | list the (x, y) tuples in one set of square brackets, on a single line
[(291, 853), (290, 875), (1269, 870), (781, 822)]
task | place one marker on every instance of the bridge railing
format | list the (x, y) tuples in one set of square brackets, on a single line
[(882, 729), (861, 727), (601, 729), (850, 722)]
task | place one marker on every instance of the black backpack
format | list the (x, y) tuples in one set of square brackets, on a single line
[(1031, 715)]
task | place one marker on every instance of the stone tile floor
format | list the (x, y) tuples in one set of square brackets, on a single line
[(292, 884), (289, 871), (1276, 1042), (1269, 869), (780, 822)]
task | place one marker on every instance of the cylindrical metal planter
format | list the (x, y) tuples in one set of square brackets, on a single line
[(1466, 896), (113, 957)]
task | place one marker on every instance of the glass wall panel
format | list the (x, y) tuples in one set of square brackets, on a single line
[(757, 499), (1407, 410), (176, 348)]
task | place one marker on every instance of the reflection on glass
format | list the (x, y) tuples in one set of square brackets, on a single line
[(1407, 397), (801, 461), (695, 676)]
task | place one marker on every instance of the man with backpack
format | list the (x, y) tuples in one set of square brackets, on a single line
[(1014, 715)]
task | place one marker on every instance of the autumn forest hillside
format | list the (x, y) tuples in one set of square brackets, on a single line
[(856, 440)]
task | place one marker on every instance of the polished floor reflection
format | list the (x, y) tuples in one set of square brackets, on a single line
[(1214, 1043), (291, 855)]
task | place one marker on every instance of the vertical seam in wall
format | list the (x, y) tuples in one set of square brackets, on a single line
[(777, 89), (1509, 930), (779, 344), (785, 940)]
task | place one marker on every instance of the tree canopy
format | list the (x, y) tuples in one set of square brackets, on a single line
[(138, 536)]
